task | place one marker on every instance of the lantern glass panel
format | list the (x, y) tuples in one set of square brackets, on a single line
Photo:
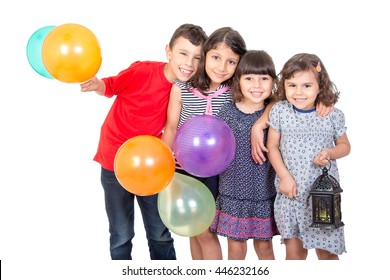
[(337, 208), (322, 211)]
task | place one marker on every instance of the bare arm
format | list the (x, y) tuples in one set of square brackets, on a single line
[(94, 84), (173, 116), (341, 149), (288, 186), (257, 135)]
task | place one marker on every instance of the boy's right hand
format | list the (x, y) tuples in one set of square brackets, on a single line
[(90, 85)]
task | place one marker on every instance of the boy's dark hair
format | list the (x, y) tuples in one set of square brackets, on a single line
[(191, 32), (328, 93), (253, 62), (225, 35)]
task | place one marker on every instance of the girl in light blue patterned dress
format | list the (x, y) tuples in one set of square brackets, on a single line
[(300, 143)]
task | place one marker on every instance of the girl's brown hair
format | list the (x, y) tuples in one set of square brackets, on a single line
[(328, 93), (224, 35), (253, 62)]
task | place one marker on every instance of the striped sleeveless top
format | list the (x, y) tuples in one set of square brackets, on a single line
[(195, 103)]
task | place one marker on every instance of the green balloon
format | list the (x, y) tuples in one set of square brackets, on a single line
[(186, 206), (34, 51)]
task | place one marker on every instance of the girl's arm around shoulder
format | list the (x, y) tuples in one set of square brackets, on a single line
[(323, 110), (173, 116), (257, 135)]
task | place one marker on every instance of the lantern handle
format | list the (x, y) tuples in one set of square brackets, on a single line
[(330, 166)]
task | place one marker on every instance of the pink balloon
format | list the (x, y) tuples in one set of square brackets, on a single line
[(204, 145)]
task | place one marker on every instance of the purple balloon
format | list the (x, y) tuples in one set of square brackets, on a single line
[(204, 145)]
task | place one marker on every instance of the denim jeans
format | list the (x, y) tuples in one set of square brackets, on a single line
[(120, 211)]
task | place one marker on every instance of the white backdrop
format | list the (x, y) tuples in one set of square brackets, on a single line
[(53, 222)]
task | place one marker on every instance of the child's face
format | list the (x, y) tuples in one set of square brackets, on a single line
[(256, 88), (302, 89), (221, 63), (183, 60)]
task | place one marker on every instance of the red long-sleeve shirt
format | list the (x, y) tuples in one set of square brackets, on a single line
[(140, 108)]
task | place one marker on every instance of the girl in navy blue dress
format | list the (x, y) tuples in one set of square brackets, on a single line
[(246, 189)]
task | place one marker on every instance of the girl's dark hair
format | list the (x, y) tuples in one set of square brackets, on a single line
[(253, 62), (224, 35), (328, 93), (191, 32)]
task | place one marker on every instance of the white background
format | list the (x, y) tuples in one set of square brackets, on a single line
[(52, 217)]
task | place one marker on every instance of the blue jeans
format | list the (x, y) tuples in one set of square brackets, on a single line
[(120, 212)]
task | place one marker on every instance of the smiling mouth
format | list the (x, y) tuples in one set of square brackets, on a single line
[(185, 71), (256, 93), (219, 76)]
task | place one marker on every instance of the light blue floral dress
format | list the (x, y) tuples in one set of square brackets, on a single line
[(303, 136)]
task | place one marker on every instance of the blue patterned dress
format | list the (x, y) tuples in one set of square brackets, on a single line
[(303, 136), (246, 189)]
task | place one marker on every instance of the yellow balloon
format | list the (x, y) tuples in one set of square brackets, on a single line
[(71, 53)]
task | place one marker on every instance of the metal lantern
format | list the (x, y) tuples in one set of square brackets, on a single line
[(326, 201)]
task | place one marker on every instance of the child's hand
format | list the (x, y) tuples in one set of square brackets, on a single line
[(90, 85), (323, 111), (257, 143), (322, 159), (288, 187)]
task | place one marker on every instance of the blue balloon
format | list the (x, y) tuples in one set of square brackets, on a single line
[(204, 145), (34, 51)]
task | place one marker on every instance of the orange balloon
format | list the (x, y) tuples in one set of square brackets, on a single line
[(144, 165), (71, 53)]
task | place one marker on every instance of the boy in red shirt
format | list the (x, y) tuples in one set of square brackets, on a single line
[(140, 108)]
